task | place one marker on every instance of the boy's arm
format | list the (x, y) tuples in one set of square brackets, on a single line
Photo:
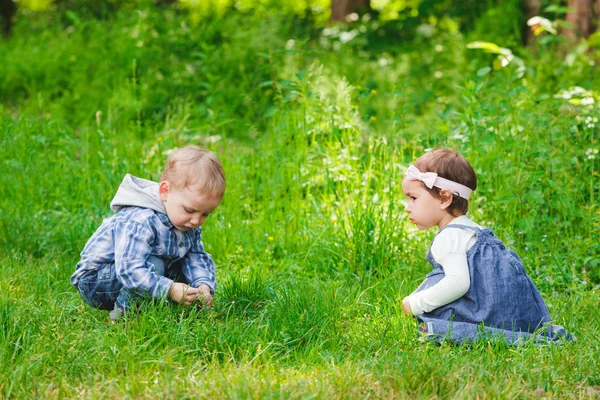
[(133, 246), (199, 267)]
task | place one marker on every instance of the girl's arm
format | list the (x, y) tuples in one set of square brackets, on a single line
[(454, 285)]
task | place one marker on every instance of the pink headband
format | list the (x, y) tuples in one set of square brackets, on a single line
[(431, 179)]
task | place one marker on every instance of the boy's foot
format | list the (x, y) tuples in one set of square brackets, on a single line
[(116, 314)]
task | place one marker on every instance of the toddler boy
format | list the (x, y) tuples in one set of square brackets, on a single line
[(152, 246)]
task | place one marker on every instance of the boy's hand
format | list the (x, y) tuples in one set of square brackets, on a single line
[(184, 294), (406, 307), (204, 296)]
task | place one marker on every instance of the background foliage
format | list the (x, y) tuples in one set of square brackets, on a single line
[(315, 123)]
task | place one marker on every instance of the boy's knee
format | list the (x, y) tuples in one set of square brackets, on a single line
[(175, 272), (157, 265), (100, 289)]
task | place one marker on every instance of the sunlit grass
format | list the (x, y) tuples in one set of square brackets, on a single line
[(312, 247)]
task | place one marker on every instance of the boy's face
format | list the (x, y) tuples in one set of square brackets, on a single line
[(186, 208)]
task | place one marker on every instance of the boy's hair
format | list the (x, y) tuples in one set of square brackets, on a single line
[(450, 165), (191, 165)]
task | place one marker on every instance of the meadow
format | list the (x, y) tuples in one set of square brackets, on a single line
[(315, 125)]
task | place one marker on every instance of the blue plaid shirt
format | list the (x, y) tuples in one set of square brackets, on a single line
[(129, 237)]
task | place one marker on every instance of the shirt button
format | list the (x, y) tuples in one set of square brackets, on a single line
[(180, 244)]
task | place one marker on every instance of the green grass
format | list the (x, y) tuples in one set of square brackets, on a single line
[(313, 250)]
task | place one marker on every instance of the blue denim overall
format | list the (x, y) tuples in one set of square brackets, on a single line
[(502, 301), (103, 289)]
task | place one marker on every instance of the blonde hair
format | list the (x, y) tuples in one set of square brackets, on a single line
[(191, 165), (450, 165)]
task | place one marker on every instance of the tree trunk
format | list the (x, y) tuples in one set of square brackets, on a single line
[(341, 8), (8, 9), (161, 3), (531, 8), (581, 18)]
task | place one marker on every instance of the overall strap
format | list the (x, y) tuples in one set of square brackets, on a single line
[(484, 235), (473, 228), (478, 232)]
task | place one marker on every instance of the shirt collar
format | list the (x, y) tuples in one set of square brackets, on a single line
[(165, 220)]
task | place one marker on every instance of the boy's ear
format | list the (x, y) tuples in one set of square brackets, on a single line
[(164, 188), (446, 198)]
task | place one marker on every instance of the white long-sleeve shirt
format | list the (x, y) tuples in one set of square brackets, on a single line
[(449, 249)]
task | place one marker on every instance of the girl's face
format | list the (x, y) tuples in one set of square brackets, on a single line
[(186, 208), (424, 210)]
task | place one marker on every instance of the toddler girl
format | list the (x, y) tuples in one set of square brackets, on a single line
[(478, 288)]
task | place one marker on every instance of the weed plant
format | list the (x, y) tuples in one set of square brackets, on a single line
[(315, 126)]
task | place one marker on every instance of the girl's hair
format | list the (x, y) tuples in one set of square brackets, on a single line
[(450, 165), (191, 165)]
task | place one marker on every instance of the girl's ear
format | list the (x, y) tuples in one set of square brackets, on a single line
[(446, 198), (164, 187)]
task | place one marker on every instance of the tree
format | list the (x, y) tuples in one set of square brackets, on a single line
[(583, 17), (341, 8), (8, 8), (531, 9)]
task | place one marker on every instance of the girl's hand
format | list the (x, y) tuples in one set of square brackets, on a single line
[(406, 307), (184, 294)]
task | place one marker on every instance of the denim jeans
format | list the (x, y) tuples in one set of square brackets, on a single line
[(103, 289)]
